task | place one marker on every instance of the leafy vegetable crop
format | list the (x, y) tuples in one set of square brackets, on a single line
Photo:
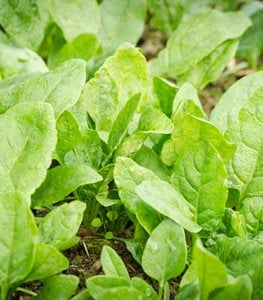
[(94, 135)]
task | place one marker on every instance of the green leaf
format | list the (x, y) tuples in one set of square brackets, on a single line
[(144, 287), (227, 109), (18, 235), (63, 180), (210, 68), (252, 210), (48, 261), (15, 60), (68, 134), (164, 255), (28, 139), (75, 17), (251, 42), (127, 175), (123, 292), (116, 28), (153, 120), (84, 295), (100, 285), (84, 46), (23, 17), (122, 121), (120, 77), (91, 149), (56, 233), (169, 202), (240, 255), (192, 42), (112, 264), (245, 175), (192, 130), (166, 14), (201, 177), (60, 87), (62, 286), (210, 270), (165, 92), (239, 288)]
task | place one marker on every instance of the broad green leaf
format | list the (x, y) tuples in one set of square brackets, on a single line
[(169, 202), (63, 180), (75, 17), (252, 210), (233, 223), (256, 276), (100, 285), (201, 177), (153, 120), (112, 264), (167, 14), (68, 134), (56, 233), (210, 270), (165, 253), (84, 46), (227, 109), (48, 261), (210, 68), (192, 41), (122, 121), (246, 167), (120, 77), (15, 60), (60, 87), (190, 291), (147, 158), (239, 288), (186, 92), (62, 286), (18, 235), (123, 292), (91, 149), (251, 42), (117, 27), (127, 175), (84, 295), (24, 21), (28, 139), (165, 92), (144, 287), (192, 130), (240, 255)]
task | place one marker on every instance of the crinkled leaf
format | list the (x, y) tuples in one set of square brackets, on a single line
[(190, 131), (75, 17), (192, 42), (15, 60), (18, 235), (63, 180), (227, 109), (68, 134), (28, 139), (164, 256), (246, 167), (210, 68), (169, 202), (210, 270), (48, 261), (25, 21), (104, 96), (201, 178), (56, 233), (116, 27), (60, 87), (62, 286), (112, 264)]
